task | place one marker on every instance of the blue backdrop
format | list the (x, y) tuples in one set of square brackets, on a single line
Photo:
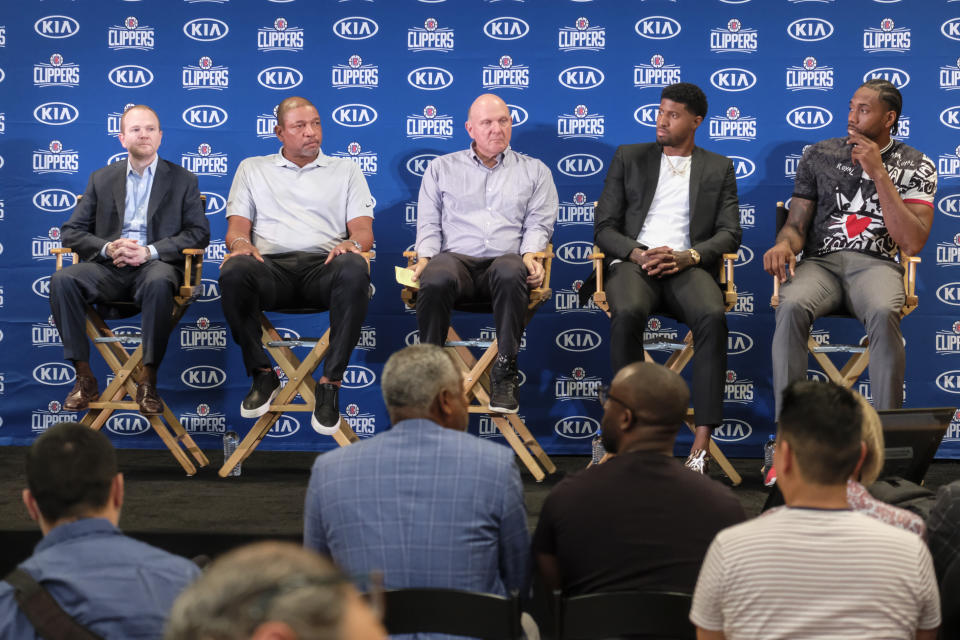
[(393, 80)]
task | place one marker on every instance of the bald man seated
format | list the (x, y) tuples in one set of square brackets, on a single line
[(482, 215), (639, 521)]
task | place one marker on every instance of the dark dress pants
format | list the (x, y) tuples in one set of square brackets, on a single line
[(152, 286), (450, 278), (296, 280), (692, 297)]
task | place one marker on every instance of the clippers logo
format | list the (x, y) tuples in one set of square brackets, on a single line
[(578, 340), (580, 124), (576, 212), (949, 293), (950, 76), (732, 430), (355, 74), (656, 74), (279, 78), (54, 374), (354, 115), (581, 78), (355, 28), (733, 79), (568, 300), (203, 376), (809, 117), (950, 117), (948, 165), (266, 123), (738, 343), (358, 377), (3, 36), (506, 75), (748, 216), (657, 28), (577, 427), (581, 37), (518, 114), (733, 38), (56, 159), (45, 334), (489, 334), (368, 338), (898, 77), (40, 246), (887, 38), (732, 125), (744, 256), (56, 74), (55, 113), (203, 336), (216, 251), (744, 167), (950, 205), (130, 35), (206, 29), (737, 391), (575, 252), (285, 427), (809, 76), (417, 165), (127, 424), (580, 165), (113, 120), (647, 114), (790, 162), (506, 28), (948, 342), (429, 125), (205, 75), (953, 431), (410, 214), (951, 29), (810, 29), (430, 37), (744, 306), (948, 253), (280, 37), (204, 116), (216, 203), (56, 27), (949, 381), (205, 162), (366, 160), (657, 332), (41, 287), (364, 424), (43, 419), (130, 76), (430, 78), (487, 428), (3, 118), (577, 386), (204, 421)]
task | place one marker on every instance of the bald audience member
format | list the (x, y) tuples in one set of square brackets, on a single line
[(483, 213), (272, 591), (640, 521)]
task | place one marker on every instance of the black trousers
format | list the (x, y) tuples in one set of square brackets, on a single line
[(296, 280), (692, 297), (151, 286), (452, 278)]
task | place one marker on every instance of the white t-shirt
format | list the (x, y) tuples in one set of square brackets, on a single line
[(816, 573), (668, 220)]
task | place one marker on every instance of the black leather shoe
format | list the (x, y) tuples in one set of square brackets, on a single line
[(85, 390), (326, 412), (503, 385), (149, 400), (264, 389)]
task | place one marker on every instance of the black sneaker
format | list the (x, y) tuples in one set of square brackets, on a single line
[(503, 386), (264, 389), (326, 412)]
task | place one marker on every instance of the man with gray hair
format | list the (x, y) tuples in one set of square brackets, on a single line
[(425, 503), (272, 590)]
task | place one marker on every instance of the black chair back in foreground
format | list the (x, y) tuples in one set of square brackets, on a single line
[(646, 614), (451, 611)]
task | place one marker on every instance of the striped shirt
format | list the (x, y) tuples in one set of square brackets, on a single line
[(815, 573)]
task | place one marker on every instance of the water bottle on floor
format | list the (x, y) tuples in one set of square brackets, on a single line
[(598, 451), (230, 440)]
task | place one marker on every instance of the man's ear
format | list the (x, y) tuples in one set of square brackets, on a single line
[(273, 630), (116, 491), (863, 458), (31, 504)]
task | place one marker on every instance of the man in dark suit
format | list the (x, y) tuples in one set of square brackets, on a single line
[(135, 218), (667, 214)]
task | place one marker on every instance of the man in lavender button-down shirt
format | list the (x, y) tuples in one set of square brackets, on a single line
[(482, 214)]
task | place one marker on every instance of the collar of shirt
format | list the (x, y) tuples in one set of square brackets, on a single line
[(77, 529), (147, 172), (321, 160), (501, 159)]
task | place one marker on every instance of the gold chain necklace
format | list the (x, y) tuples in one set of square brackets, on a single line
[(674, 169)]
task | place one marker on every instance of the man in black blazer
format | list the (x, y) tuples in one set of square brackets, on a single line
[(134, 219), (668, 212)]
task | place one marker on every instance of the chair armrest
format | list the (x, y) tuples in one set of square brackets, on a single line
[(59, 252), (411, 257), (599, 296), (910, 279), (192, 271), (775, 297), (726, 278)]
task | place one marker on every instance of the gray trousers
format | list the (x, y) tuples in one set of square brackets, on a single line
[(871, 289)]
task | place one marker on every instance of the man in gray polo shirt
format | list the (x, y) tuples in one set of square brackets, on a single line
[(297, 222), (483, 212)]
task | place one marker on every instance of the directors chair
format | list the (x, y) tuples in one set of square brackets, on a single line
[(476, 371), (128, 367), (859, 355), (681, 351)]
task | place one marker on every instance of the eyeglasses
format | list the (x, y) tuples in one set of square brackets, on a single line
[(603, 394)]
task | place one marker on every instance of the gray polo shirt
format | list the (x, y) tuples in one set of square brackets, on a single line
[(299, 208)]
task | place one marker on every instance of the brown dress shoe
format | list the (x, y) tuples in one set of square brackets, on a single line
[(85, 390), (149, 400)]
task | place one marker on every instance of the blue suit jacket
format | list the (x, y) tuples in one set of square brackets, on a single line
[(427, 506)]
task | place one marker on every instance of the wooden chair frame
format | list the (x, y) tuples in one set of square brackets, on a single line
[(476, 374), (859, 355), (683, 350), (299, 381)]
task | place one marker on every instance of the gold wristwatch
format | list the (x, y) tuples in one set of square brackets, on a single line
[(695, 255)]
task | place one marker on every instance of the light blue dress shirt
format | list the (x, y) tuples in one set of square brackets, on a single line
[(135, 206)]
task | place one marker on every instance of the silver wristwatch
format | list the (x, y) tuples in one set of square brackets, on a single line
[(356, 244)]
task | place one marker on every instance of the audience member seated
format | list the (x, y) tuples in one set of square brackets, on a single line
[(272, 591), (114, 586), (943, 528), (425, 503), (816, 569), (639, 521)]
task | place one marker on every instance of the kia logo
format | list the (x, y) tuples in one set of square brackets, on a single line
[(55, 113), (732, 430), (809, 117), (354, 115), (744, 256), (355, 28), (578, 340), (738, 343), (358, 377), (417, 165), (575, 252), (577, 427), (951, 117), (743, 167), (215, 202), (285, 427), (54, 200), (518, 114), (127, 424), (733, 79), (951, 28), (647, 114), (203, 376), (209, 290), (206, 29), (581, 77), (949, 293), (949, 381), (657, 28), (580, 165), (117, 157), (56, 27), (430, 78), (412, 338), (204, 116), (130, 76), (897, 77), (41, 286), (506, 28), (279, 78), (950, 205), (54, 374), (810, 29)]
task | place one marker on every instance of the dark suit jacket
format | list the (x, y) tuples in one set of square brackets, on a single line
[(175, 216), (629, 189)]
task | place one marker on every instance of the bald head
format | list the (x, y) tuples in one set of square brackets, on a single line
[(658, 396), (490, 126), (485, 102)]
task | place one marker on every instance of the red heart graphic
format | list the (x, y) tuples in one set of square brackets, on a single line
[(855, 225)]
